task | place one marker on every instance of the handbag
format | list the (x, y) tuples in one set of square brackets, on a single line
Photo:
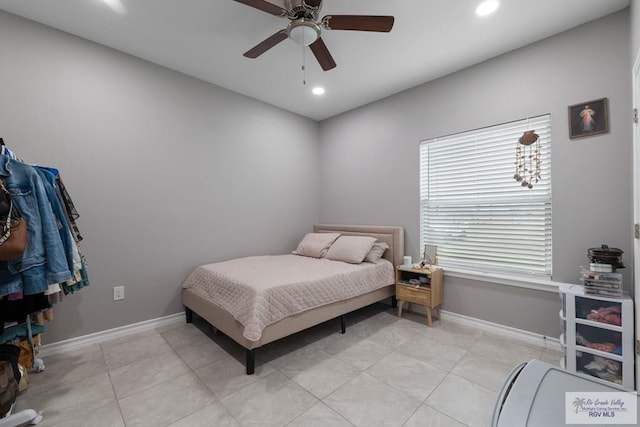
[(10, 377), (13, 234)]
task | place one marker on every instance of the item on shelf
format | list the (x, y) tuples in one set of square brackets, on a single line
[(604, 368), (600, 282), (604, 268), (610, 315), (615, 293), (606, 255), (600, 276), (602, 346), (580, 339)]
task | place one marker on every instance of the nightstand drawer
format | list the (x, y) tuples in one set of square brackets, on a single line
[(413, 294)]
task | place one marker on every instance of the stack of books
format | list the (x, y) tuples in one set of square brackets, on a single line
[(601, 279)]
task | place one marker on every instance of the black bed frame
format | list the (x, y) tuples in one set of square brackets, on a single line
[(250, 355)]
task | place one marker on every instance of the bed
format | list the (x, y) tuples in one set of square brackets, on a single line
[(199, 292)]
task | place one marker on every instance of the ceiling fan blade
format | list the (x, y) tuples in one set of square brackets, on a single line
[(265, 6), (381, 24), (266, 44), (322, 54)]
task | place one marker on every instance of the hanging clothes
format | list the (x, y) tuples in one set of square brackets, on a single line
[(65, 211), (44, 259), (49, 184), (18, 310), (4, 150), (52, 262), (65, 199)]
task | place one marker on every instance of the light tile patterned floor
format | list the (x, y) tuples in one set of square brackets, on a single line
[(385, 371)]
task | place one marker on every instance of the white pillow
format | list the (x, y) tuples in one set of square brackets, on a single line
[(376, 252), (315, 245), (351, 249)]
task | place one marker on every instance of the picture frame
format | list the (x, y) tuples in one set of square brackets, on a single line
[(430, 255), (589, 118)]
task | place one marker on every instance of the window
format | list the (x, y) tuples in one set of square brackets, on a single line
[(474, 210)]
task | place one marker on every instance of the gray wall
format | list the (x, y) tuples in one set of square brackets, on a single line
[(370, 165), (167, 172)]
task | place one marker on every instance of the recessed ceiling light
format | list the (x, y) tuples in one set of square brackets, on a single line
[(116, 6), (318, 90), (487, 7)]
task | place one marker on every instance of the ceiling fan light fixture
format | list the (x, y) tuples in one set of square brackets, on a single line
[(318, 90), (487, 7), (303, 31)]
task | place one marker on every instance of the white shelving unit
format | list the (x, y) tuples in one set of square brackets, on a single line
[(594, 344)]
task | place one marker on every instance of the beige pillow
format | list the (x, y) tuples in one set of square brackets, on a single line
[(376, 252), (351, 249), (315, 245)]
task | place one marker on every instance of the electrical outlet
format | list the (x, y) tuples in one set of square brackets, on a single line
[(118, 293)]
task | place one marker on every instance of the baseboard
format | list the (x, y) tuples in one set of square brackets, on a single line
[(498, 329), (86, 340), (507, 331)]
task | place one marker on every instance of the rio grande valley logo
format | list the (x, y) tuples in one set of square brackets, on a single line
[(601, 408)]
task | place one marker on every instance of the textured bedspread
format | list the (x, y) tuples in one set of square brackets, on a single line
[(261, 290)]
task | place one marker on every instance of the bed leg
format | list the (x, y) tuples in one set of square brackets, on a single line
[(188, 314), (251, 361), (394, 301), (342, 325)]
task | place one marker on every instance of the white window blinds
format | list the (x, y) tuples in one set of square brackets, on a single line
[(474, 210)]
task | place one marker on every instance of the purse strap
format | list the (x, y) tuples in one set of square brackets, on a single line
[(6, 229), (4, 189), (7, 226)]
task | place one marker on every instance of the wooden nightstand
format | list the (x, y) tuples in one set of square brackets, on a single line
[(427, 294)]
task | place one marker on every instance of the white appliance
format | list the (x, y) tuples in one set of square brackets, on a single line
[(533, 395)]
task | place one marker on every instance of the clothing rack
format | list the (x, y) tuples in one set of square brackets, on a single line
[(63, 254), (26, 416)]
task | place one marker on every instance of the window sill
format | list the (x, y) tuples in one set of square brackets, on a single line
[(503, 279)]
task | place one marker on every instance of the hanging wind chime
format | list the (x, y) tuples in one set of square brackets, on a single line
[(528, 159)]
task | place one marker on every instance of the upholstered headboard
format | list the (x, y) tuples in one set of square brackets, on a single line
[(391, 235)]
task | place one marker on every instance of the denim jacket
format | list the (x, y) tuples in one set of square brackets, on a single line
[(43, 260), (49, 181)]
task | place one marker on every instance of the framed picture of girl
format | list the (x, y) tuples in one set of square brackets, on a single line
[(589, 118)]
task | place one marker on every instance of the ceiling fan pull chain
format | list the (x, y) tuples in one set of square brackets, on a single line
[(304, 69)]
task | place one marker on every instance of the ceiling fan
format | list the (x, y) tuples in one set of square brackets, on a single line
[(305, 27)]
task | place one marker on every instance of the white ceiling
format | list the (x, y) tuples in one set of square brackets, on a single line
[(206, 39)]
